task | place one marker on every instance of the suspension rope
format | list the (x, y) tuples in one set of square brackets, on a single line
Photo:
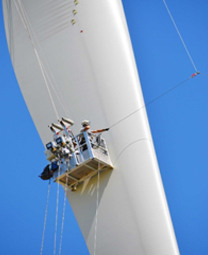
[(23, 17), (45, 218), (184, 45), (97, 201), (20, 15), (44, 69), (63, 215), (56, 220), (61, 101), (155, 99)]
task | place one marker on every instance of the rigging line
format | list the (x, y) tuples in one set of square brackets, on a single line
[(45, 218), (184, 45), (46, 83), (204, 74), (38, 44), (63, 214), (61, 101), (10, 30), (36, 53), (150, 102), (97, 201), (20, 15), (56, 220), (38, 57)]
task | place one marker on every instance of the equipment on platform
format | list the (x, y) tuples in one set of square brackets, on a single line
[(70, 122), (61, 141), (78, 157), (51, 146)]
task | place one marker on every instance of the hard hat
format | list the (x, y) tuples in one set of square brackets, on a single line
[(85, 123)]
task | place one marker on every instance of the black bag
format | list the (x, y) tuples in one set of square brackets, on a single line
[(46, 174)]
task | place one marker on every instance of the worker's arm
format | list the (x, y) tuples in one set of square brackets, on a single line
[(99, 130)]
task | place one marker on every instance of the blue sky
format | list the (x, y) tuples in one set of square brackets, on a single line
[(178, 123)]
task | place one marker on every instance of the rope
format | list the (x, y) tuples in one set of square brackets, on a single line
[(97, 201), (56, 221), (63, 215), (45, 218), (54, 89), (10, 29), (152, 101), (204, 74), (184, 45), (23, 17), (20, 15), (61, 101)]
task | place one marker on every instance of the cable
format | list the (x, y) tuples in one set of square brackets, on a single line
[(49, 79), (63, 214), (22, 14), (204, 74), (97, 201), (45, 218), (56, 221), (184, 45), (152, 101)]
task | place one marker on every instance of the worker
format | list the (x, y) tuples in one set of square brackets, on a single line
[(86, 126)]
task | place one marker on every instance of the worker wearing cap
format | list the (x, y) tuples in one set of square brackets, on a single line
[(86, 126)]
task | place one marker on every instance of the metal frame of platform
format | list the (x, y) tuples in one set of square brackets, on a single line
[(88, 158)]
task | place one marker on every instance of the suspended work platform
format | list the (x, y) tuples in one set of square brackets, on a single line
[(90, 156), (76, 158)]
